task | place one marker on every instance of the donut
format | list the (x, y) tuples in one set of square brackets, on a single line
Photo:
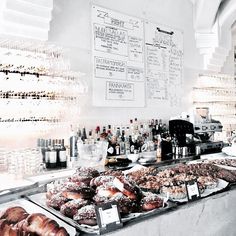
[(70, 208), (151, 201), (87, 171), (127, 188), (100, 199), (78, 193), (100, 180), (86, 215), (56, 201), (125, 204), (81, 179), (106, 190), (112, 173)]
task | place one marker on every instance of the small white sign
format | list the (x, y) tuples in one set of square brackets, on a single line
[(109, 216), (192, 190), (109, 68), (119, 91), (110, 39)]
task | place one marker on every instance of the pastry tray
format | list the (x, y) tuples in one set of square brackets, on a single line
[(33, 208), (222, 185), (40, 199)]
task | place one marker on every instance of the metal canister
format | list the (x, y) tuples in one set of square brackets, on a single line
[(197, 150), (184, 151)]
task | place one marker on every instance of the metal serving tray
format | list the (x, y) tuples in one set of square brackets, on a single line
[(40, 199), (33, 208)]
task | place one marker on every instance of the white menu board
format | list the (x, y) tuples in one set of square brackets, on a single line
[(118, 59), (164, 64)]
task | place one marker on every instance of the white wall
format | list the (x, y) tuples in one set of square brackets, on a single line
[(71, 28), (229, 66)]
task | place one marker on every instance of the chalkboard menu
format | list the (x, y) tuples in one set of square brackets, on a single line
[(164, 64), (118, 59), (135, 63)]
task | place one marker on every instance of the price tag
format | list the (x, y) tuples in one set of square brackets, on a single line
[(192, 189), (108, 217)]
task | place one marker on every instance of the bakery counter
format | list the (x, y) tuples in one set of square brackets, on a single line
[(151, 200)]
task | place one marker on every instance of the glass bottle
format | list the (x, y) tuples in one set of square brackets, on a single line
[(62, 155)]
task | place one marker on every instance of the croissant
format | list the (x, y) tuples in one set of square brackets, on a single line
[(40, 224), (7, 230), (14, 214), (15, 221)]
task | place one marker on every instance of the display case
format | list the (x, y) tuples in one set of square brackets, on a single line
[(217, 192)]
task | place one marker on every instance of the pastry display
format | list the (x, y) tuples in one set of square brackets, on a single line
[(15, 221), (139, 191), (75, 198)]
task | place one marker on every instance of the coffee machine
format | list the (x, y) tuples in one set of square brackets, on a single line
[(204, 130), (182, 135)]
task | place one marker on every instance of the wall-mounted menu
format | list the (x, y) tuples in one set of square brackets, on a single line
[(118, 59), (164, 64)]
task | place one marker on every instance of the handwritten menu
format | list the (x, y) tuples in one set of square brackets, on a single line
[(118, 59), (164, 64)]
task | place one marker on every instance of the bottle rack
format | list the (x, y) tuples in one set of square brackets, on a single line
[(218, 93), (39, 92)]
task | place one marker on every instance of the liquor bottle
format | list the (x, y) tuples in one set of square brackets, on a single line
[(73, 146), (109, 132), (90, 137), (57, 149), (122, 142), (118, 134), (52, 156), (158, 151), (62, 155), (97, 133), (103, 135), (84, 134), (117, 147), (127, 145), (42, 146), (136, 127), (131, 127), (111, 151), (160, 128), (47, 152), (131, 144), (157, 130)]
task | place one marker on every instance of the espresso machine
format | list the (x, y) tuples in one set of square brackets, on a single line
[(204, 130), (182, 135)]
